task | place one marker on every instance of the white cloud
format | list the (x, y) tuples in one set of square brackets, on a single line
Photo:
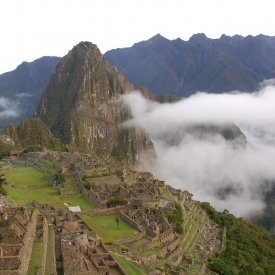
[(8, 108), (23, 95), (231, 175)]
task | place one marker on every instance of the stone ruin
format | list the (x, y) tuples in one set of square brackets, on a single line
[(81, 250), (17, 230), (151, 220), (102, 189)]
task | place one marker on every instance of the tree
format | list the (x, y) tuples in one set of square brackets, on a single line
[(59, 178), (117, 220), (115, 202), (2, 181)]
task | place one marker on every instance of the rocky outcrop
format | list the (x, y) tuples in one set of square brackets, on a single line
[(32, 132), (80, 106)]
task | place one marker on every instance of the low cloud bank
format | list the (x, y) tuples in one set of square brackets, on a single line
[(192, 154), (8, 108)]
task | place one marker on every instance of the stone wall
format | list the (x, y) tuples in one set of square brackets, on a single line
[(45, 244), (26, 251), (103, 212), (130, 221), (90, 195), (164, 237), (79, 176), (134, 237), (94, 199), (10, 263)]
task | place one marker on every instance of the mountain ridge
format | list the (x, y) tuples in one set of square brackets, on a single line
[(21, 88), (182, 68), (80, 105)]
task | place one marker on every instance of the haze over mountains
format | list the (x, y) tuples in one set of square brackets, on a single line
[(173, 67), (21, 89), (200, 64)]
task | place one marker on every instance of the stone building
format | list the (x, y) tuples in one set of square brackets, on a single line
[(17, 231), (151, 220), (81, 250)]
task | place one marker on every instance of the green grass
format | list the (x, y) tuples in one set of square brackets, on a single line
[(47, 165), (129, 267), (36, 258), (50, 253), (150, 252), (24, 178), (106, 227)]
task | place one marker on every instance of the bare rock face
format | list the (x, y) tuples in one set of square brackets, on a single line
[(81, 107)]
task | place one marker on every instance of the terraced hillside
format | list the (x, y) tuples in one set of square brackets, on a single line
[(32, 179)]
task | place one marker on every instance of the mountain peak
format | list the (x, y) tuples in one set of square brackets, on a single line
[(85, 45), (199, 37), (156, 39), (79, 105), (85, 48)]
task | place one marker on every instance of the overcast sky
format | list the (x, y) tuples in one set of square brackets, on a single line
[(34, 28)]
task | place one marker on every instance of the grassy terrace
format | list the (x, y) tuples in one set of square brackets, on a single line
[(192, 225), (106, 227), (129, 267), (46, 164), (31, 184), (50, 258), (150, 252), (36, 258)]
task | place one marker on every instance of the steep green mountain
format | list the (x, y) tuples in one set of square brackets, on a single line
[(80, 105), (248, 248), (182, 68), (31, 132), (21, 89), (267, 218)]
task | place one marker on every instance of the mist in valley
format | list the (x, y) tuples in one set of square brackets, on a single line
[(220, 147)]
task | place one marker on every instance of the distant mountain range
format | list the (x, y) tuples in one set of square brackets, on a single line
[(172, 67), (21, 89), (182, 68)]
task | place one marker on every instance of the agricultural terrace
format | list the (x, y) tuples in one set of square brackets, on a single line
[(27, 183), (129, 267), (108, 228)]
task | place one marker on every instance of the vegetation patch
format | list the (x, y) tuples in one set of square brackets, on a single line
[(116, 202), (108, 228), (50, 259), (23, 181), (150, 252), (249, 249), (36, 258), (2, 182), (129, 267), (176, 218)]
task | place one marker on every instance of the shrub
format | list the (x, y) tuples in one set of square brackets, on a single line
[(115, 202)]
